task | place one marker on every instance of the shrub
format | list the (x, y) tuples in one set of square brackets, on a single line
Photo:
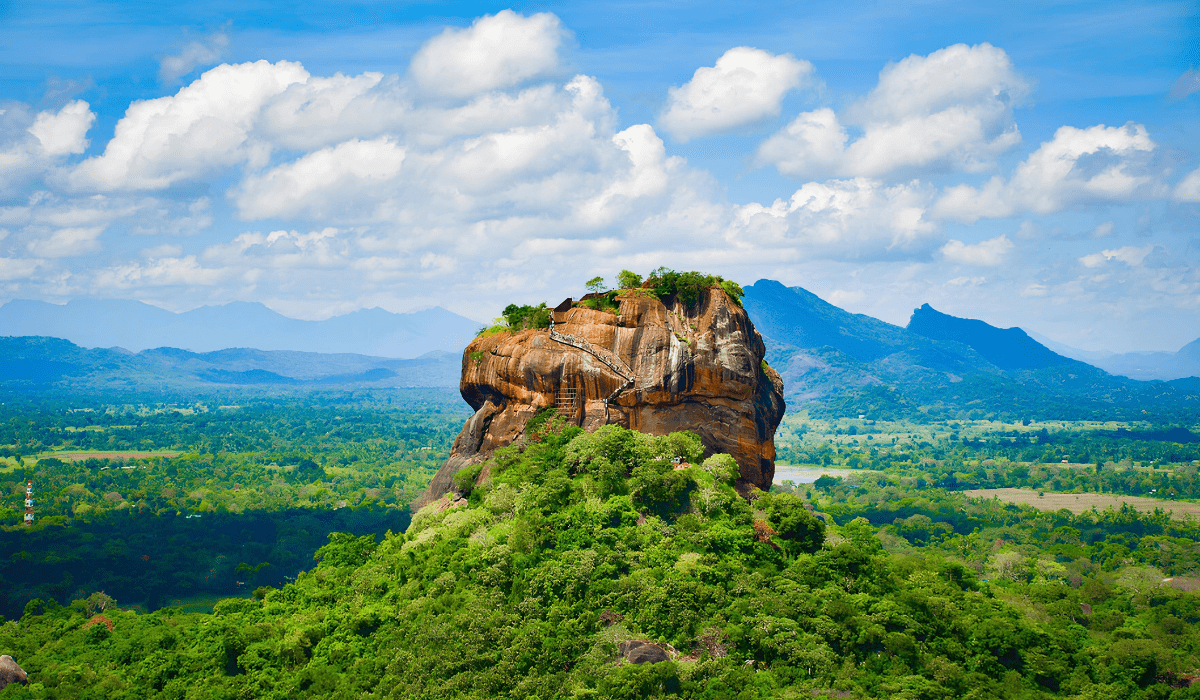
[(606, 302), (522, 317), (689, 286)]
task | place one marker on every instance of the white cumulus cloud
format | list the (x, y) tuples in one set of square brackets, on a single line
[(497, 51), (64, 132), (989, 253), (1097, 164), (849, 219), (745, 86), (327, 110), (1130, 255), (950, 109), (32, 145), (330, 179), (203, 127)]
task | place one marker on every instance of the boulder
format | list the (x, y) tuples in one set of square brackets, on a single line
[(656, 366), (10, 672), (638, 652)]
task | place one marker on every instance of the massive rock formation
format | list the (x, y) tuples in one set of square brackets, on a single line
[(655, 366)]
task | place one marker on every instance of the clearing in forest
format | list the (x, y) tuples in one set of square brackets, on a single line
[(76, 456), (1080, 502)]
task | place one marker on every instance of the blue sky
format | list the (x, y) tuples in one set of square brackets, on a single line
[(1030, 164)]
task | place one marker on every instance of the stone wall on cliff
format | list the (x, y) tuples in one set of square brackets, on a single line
[(656, 366)]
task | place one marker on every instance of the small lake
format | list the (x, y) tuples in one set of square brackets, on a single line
[(807, 475)]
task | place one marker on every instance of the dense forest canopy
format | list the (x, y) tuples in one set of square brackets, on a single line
[(579, 547), (158, 501)]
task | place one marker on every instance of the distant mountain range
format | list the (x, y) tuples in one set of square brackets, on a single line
[(1137, 365), (851, 363), (39, 362), (831, 360), (136, 326)]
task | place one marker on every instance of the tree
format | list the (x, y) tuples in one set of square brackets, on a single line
[(596, 285), (792, 521), (826, 482), (628, 280), (309, 471)]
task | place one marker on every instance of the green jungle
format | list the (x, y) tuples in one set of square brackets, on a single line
[(251, 546)]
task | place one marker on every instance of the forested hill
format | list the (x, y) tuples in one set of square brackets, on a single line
[(619, 565), (838, 363), (38, 363), (1007, 348)]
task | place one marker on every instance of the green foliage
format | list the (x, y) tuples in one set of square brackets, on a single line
[(308, 471), (464, 481), (734, 290), (792, 522), (516, 318), (596, 285), (628, 280), (688, 286), (345, 550), (604, 302), (231, 490), (893, 587), (523, 317)]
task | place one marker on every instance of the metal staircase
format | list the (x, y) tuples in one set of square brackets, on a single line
[(610, 360)]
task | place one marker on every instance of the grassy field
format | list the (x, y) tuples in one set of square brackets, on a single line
[(134, 454), (1080, 502), (8, 464), (798, 427)]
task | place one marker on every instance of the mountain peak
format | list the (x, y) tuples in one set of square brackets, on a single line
[(796, 316), (1007, 348)]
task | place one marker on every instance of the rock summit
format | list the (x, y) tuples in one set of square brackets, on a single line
[(648, 364)]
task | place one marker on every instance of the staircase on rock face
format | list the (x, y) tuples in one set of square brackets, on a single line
[(611, 361)]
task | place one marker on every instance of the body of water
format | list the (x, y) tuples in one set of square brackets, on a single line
[(807, 475)]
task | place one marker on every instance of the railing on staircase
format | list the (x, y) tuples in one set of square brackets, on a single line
[(614, 363)]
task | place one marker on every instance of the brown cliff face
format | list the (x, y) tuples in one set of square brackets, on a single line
[(653, 367)]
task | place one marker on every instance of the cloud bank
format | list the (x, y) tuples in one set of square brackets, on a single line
[(952, 109), (488, 170)]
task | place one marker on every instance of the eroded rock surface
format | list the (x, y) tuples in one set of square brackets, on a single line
[(10, 672), (640, 651), (654, 367)]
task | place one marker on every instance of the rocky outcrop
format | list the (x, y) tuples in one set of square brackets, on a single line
[(10, 672), (656, 366), (640, 651)]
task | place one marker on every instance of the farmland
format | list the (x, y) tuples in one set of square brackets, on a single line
[(1083, 502)]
